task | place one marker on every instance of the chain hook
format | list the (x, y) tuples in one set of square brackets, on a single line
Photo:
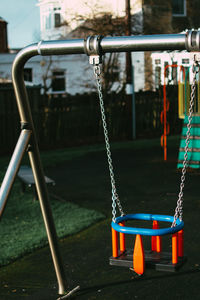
[(195, 67), (92, 47)]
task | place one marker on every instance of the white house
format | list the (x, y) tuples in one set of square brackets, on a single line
[(59, 74), (168, 67), (70, 74), (65, 73), (60, 17)]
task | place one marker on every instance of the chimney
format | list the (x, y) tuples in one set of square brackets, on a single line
[(3, 36)]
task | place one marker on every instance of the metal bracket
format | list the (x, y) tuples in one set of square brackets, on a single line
[(192, 40), (39, 49), (93, 49), (69, 294)]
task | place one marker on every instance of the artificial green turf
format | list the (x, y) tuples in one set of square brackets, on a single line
[(22, 228)]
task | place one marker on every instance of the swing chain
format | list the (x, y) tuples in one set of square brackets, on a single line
[(92, 46), (179, 207), (115, 197)]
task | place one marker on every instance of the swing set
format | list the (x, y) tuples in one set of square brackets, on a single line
[(95, 47), (138, 258), (184, 93), (163, 115)]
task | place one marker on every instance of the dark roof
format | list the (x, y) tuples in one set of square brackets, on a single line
[(2, 20)]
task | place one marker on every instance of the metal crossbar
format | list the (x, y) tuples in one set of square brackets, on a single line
[(189, 41)]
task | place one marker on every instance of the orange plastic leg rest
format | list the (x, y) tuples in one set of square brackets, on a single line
[(153, 238), (158, 244), (156, 240), (175, 248), (114, 243), (122, 240), (138, 256), (180, 243)]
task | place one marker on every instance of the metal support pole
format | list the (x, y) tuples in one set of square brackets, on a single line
[(34, 156), (13, 167), (129, 84), (48, 218), (189, 41), (133, 107)]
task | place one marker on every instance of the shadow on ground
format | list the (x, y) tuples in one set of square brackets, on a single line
[(145, 184)]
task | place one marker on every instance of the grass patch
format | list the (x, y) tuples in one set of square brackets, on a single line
[(22, 228)]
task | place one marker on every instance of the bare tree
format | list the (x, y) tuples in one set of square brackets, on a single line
[(47, 74), (104, 24)]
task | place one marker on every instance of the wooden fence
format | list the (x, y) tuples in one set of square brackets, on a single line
[(65, 120)]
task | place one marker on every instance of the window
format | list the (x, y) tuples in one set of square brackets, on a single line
[(179, 8), (185, 61), (57, 16), (166, 68), (157, 77), (58, 81), (157, 61), (57, 19), (175, 74), (28, 76)]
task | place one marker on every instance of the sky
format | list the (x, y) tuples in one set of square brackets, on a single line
[(23, 21)]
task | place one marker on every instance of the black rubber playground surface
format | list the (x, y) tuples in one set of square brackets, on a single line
[(145, 184)]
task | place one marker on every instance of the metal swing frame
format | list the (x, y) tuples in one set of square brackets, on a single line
[(154, 258), (27, 141)]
